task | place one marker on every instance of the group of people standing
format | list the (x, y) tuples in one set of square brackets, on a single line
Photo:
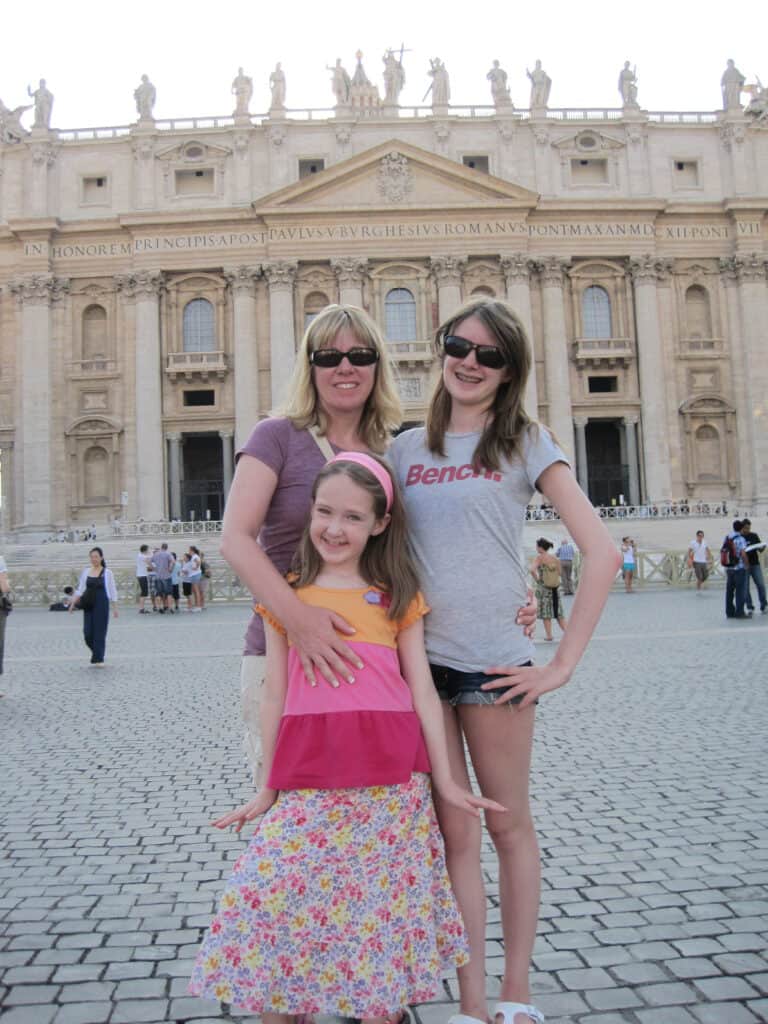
[(384, 645), (163, 577)]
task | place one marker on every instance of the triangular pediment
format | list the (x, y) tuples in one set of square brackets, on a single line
[(395, 175)]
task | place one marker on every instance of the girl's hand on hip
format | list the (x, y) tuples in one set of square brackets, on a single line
[(255, 807), (457, 796), (526, 615), (526, 681), (315, 635)]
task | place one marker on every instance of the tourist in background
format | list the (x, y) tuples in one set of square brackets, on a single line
[(194, 577), (699, 559), (545, 569), (734, 557), (175, 581), (95, 594), (754, 569), (628, 562), (5, 609), (143, 561), (566, 554)]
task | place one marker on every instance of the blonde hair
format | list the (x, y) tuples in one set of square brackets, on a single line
[(382, 412), (508, 421), (386, 561)]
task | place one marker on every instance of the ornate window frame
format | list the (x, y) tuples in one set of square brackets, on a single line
[(710, 410)]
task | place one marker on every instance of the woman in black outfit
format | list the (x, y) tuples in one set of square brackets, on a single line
[(95, 592)]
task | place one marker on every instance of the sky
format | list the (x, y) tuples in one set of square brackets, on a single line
[(92, 54)]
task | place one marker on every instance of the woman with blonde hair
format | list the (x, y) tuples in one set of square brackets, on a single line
[(342, 397)]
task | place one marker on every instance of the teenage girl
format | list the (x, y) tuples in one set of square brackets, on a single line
[(467, 478), (341, 903)]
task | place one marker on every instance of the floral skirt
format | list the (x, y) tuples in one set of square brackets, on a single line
[(340, 905)]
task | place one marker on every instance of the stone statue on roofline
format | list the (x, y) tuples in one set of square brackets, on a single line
[(242, 89), (43, 104), (541, 85), (441, 84), (341, 83), (277, 88), (732, 83), (145, 95), (394, 77), (497, 76), (11, 128), (628, 85)]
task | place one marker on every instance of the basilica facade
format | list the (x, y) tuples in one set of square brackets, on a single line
[(156, 279)]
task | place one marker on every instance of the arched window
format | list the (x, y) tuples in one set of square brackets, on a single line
[(708, 459), (400, 315), (698, 317), (314, 303), (94, 332), (596, 312), (95, 476), (199, 326), (483, 289)]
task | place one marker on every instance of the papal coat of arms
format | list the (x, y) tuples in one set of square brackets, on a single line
[(395, 177)]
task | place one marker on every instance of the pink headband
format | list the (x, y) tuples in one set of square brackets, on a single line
[(372, 466)]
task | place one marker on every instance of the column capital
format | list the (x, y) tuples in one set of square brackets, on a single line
[(242, 279), (749, 268), (448, 269), (580, 422), (552, 270), (143, 284), (174, 437), (631, 419), (226, 435), (39, 289), (649, 269), (280, 274), (350, 271), (517, 267)]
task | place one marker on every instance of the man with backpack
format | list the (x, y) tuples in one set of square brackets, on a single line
[(754, 569), (733, 558)]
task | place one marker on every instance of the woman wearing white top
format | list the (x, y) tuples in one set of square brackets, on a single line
[(629, 562), (194, 576), (95, 592)]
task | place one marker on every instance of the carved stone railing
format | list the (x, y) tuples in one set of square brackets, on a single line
[(164, 528), (661, 510), (421, 352), (196, 364), (610, 351)]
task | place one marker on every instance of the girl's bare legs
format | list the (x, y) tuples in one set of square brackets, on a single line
[(197, 597), (500, 743), (462, 835), (628, 582)]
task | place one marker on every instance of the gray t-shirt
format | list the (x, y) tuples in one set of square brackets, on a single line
[(466, 535)]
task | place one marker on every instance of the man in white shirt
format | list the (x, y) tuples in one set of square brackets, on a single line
[(699, 559)]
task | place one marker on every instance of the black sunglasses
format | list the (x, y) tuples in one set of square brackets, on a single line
[(486, 355), (331, 357)]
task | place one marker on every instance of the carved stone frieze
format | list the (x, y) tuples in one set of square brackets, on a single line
[(442, 133), (749, 268), (142, 284), (448, 269), (38, 289), (350, 270), (242, 279), (43, 153), (552, 270), (394, 177), (343, 135), (143, 147), (517, 267), (649, 269), (241, 145), (276, 134), (730, 134), (506, 130), (280, 274)]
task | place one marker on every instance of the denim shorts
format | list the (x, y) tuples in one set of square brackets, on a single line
[(457, 687)]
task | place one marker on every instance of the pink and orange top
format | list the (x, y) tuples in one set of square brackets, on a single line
[(361, 734)]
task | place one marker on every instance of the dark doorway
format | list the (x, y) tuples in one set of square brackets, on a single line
[(202, 483), (607, 475)]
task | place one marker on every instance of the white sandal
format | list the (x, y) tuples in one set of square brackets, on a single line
[(507, 1012)]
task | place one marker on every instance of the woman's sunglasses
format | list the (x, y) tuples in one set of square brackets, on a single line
[(327, 358), (486, 355)]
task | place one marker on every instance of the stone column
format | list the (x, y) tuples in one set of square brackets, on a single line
[(645, 271), (350, 273), (6, 483), (753, 301), (174, 474), (556, 362), (517, 274), (145, 288), (227, 459), (582, 465), (743, 390), (242, 284), (630, 440), (448, 272), (36, 294), (280, 276)]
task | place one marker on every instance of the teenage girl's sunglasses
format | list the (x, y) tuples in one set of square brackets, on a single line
[(486, 355), (327, 358)]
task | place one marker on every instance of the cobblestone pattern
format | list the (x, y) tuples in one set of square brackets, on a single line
[(650, 800)]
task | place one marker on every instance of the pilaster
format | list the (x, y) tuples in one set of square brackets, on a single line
[(448, 272), (552, 270), (242, 284), (350, 273), (281, 275), (517, 269)]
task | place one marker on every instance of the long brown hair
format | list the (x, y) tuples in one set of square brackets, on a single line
[(508, 421), (382, 412), (386, 561)]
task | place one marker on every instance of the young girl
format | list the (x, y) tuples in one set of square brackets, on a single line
[(628, 562), (341, 904), (545, 569), (467, 479)]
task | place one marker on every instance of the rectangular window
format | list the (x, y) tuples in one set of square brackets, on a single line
[(477, 163), (195, 183), (94, 190), (200, 397), (602, 385), (310, 167), (589, 172), (685, 173)]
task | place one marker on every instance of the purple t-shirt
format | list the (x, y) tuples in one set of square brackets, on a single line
[(296, 459)]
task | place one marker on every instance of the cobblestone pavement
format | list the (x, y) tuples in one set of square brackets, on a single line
[(650, 806)]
